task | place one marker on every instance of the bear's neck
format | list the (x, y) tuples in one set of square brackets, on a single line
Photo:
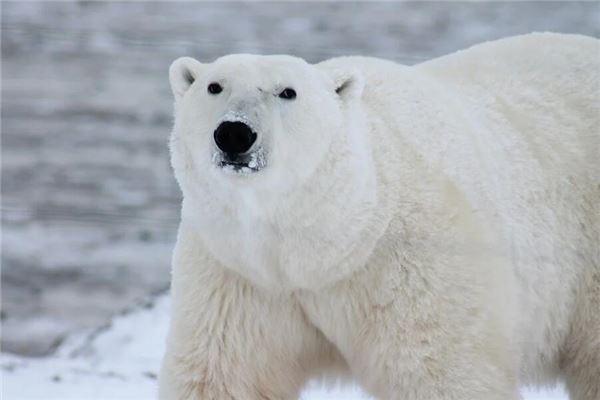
[(315, 236)]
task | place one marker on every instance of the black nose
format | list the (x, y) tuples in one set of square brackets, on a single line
[(234, 137)]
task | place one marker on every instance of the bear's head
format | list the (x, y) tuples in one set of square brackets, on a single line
[(268, 120), (267, 142)]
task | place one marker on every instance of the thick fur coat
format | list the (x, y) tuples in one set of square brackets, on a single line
[(432, 231)]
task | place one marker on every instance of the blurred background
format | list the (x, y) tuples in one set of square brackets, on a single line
[(89, 204)]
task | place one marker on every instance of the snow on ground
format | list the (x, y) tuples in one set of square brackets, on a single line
[(121, 361)]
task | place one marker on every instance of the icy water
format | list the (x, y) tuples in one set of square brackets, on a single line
[(89, 205)]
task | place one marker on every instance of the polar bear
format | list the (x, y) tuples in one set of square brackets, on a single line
[(432, 231)]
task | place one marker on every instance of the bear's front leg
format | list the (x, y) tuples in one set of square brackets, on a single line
[(424, 325), (229, 340)]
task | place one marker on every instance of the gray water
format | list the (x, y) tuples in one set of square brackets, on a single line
[(89, 205)]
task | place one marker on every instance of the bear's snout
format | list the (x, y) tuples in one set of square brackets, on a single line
[(234, 137)]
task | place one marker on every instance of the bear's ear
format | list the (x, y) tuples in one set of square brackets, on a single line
[(349, 84), (182, 73)]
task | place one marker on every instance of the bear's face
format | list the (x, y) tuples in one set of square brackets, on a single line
[(271, 155), (265, 121)]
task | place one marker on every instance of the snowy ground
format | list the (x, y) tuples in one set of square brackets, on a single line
[(89, 204), (120, 361)]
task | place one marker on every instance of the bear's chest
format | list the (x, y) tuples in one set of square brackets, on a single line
[(283, 255)]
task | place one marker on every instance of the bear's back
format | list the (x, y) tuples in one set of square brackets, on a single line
[(535, 83)]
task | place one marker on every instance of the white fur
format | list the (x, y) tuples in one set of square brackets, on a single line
[(432, 231)]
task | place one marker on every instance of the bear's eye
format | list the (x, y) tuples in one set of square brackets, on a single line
[(215, 88), (288, 94)]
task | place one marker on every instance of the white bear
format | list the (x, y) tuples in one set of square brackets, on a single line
[(432, 231)]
